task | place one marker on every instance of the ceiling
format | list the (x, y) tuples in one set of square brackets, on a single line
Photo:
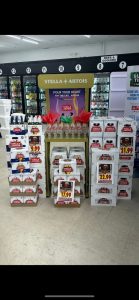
[(9, 44)]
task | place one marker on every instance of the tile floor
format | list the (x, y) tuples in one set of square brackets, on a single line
[(46, 235)]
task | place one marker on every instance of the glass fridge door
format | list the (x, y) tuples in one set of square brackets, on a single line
[(3, 88), (42, 102), (99, 102), (30, 95), (15, 93)]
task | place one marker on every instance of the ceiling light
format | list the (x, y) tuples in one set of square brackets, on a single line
[(88, 36), (30, 41), (15, 37)]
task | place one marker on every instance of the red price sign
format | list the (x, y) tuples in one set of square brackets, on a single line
[(126, 150)]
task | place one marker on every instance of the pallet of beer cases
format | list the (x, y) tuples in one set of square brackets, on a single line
[(23, 185), (36, 141), (104, 176), (126, 144), (66, 188)]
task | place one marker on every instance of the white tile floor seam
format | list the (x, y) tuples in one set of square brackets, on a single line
[(46, 235)]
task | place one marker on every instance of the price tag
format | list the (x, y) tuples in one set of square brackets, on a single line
[(65, 194), (126, 150), (105, 173), (65, 191)]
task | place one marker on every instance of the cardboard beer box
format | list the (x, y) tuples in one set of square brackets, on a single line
[(58, 176), (105, 172), (125, 168), (110, 127), (103, 201), (77, 153), (124, 193), (74, 177), (42, 190), (109, 143), (58, 153), (15, 190), (105, 155), (21, 167), (127, 127), (18, 129), (30, 178), (30, 199), (81, 169), (40, 174), (95, 142), (125, 180), (95, 127), (30, 190), (103, 189), (35, 130), (126, 145), (16, 142), (67, 166), (15, 179), (37, 160), (77, 191), (16, 199), (19, 155)]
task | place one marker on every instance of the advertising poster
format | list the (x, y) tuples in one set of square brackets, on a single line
[(65, 191), (105, 173), (132, 101), (67, 102)]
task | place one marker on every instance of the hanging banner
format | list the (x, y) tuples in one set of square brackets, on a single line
[(132, 100), (52, 81), (67, 102)]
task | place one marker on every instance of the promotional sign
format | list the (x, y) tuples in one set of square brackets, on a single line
[(132, 100), (67, 102), (65, 191), (105, 173), (109, 58), (53, 81)]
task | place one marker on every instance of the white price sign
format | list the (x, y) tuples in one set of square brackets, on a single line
[(109, 58)]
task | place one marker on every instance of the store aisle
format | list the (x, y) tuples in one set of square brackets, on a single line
[(49, 235)]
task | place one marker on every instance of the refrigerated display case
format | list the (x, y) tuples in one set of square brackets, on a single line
[(42, 102), (3, 87), (16, 94), (99, 102), (30, 94)]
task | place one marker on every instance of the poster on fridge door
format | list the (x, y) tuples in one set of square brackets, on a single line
[(67, 101), (132, 100)]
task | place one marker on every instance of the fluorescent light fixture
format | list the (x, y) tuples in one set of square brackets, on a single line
[(29, 41), (15, 37), (88, 36)]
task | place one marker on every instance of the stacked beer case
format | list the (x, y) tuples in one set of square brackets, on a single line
[(36, 141), (126, 145), (112, 134), (69, 167), (22, 181)]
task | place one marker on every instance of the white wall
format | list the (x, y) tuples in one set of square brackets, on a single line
[(109, 47)]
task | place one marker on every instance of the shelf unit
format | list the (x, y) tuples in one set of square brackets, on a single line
[(99, 102)]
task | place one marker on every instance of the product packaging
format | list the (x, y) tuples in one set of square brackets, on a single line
[(30, 178), (16, 142), (18, 129), (96, 127), (125, 180), (15, 179), (15, 190), (124, 193), (103, 190), (95, 142), (58, 153), (37, 160), (108, 200), (106, 155), (110, 127), (109, 143), (30, 199), (16, 199), (125, 168), (127, 127), (77, 153), (35, 130), (36, 144), (126, 145), (67, 166), (19, 155), (42, 189), (21, 167)]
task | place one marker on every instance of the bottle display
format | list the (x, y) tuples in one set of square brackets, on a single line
[(16, 94), (42, 102), (99, 102), (3, 88), (30, 95)]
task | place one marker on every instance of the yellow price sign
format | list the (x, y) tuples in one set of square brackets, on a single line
[(105, 176), (66, 194), (126, 150)]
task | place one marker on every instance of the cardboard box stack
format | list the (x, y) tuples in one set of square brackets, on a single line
[(22, 181), (126, 144), (68, 167), (36, 141), (109, 133), (104, 176)]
